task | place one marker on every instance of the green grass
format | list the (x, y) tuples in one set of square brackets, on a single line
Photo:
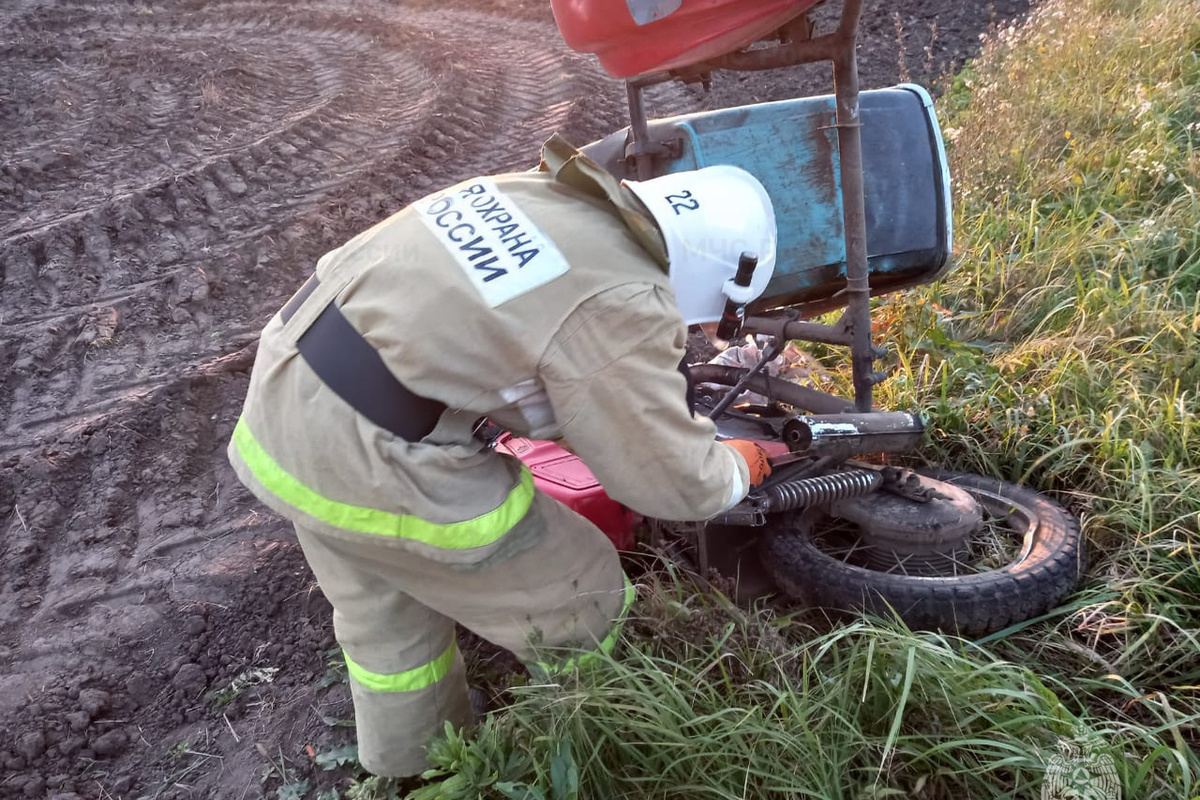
[(1062, 353), (708, 701)]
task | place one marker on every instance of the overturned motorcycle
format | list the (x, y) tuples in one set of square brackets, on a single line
[(861, 189)]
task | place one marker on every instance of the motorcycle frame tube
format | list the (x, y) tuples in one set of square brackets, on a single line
[(638, 148), (857, 317), (794, 394)]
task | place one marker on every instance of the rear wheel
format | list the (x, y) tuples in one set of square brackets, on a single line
[(1026, 556)]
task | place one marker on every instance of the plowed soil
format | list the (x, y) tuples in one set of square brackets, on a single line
[(170, 170)]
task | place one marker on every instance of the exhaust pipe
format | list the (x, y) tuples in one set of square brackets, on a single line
[(842, 436)]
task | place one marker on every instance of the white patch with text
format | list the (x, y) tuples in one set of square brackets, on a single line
[(501, 251)]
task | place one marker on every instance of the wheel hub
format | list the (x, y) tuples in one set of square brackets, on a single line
[(899, 534)]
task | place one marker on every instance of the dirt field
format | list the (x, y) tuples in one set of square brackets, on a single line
[(170, 170)]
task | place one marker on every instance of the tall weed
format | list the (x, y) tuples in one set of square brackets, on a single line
[(707, 701), (1065, 349)]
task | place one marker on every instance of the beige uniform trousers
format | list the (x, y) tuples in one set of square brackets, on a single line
[(394, 616)]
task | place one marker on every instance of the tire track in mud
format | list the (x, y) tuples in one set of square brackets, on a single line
[(62, 264), (165, 204)]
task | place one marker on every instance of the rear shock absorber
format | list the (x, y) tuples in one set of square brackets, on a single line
[(805, 492)]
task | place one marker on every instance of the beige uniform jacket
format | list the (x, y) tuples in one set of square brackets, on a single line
[(513, 297)]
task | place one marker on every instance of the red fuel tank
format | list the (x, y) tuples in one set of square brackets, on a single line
[(632, 37), (565, 477)]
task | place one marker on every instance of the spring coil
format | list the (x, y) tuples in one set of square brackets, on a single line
[(806, 492)]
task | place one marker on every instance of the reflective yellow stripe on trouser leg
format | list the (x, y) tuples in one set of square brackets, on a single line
[(606, 645), (409, 680), (398, 714)]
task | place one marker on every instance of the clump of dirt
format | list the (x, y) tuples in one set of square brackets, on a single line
[(126, 725), (175, 169)]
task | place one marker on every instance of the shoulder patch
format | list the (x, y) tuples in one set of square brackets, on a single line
[(502, 252)]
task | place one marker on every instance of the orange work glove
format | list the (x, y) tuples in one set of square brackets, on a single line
[(755, 456)]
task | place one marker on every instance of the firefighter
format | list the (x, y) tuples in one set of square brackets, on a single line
[(555, 304)]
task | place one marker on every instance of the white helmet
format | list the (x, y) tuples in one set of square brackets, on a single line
[(708, 218)]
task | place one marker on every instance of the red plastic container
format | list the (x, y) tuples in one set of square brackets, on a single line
[(565, 477), (632, 37)]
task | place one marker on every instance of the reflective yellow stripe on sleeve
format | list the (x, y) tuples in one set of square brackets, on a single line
[(482, 530), (407, 681)]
